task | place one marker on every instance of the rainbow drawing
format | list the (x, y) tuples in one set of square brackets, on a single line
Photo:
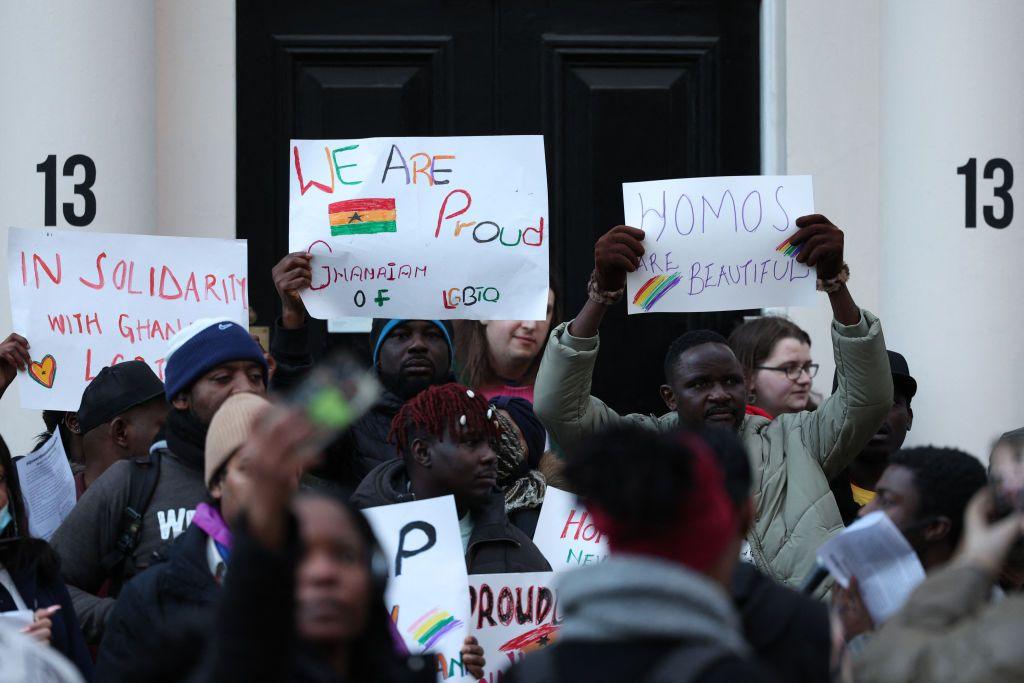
[(432, 626), (362, 217), (530, 641), (654, 289), (789, 249)]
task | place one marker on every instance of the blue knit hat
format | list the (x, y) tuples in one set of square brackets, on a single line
[(202, 346), (382, 327)]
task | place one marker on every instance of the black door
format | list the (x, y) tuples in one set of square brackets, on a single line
[(622, 91)]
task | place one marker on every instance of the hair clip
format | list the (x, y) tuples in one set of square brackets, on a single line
[(490, 413), (469, 392), (462, 421)]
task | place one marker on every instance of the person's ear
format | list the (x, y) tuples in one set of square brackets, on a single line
[(421, 453), (181, 401), (938, 529), (217, 489), (119, 431), (910, 418), (71, 422), (668, 396)]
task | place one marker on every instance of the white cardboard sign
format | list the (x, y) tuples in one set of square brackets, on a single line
[(566, 533), (718, 244), (85, 300), (511, 616), (447, 227), (426, 592)]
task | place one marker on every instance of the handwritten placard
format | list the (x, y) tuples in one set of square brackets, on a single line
[(718, 244), (88, 300), (511, 616), (566, 533), (426, 592), (453, 227)]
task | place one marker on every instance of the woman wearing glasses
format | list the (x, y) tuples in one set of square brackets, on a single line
[(776, 358)]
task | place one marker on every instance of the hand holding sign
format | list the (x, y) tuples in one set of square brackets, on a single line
[(711, 244), (819, 244), (617, 253), (292, 275), (14, 356)]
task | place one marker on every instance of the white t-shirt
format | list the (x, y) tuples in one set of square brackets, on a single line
[(466, 529)]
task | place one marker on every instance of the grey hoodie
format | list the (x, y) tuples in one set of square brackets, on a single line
[(601, 603)]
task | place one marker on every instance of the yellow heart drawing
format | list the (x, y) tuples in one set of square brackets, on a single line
[(44, 372)]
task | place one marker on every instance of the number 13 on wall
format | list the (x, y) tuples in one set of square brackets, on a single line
[(83, 188), (1000, 192)]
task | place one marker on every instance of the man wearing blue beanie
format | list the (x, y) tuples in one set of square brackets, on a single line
[(408, 355), (136, 506)]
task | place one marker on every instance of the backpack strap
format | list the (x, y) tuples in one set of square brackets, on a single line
[(688, 662), (119, 564)]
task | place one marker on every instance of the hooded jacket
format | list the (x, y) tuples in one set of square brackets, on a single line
[(178, 591), (496, 546), (621, 618), (792, 457), (949, 631)]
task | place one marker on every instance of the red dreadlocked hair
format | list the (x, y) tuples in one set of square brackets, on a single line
[(439, 408)]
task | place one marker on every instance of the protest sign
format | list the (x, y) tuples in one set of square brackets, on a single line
[(511, 616), (47, 486), (431, 228), (718, 244), (566, 533), (88, 300), (426, 592)]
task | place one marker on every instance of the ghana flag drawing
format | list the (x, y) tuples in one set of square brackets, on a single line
[(362, 217)]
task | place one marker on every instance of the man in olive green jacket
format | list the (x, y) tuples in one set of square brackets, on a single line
[(794, 455)]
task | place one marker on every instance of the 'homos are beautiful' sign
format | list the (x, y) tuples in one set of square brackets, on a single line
[(718, 244), (88, 300), (447, 227)]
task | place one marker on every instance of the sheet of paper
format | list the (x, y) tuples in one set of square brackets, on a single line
[(718, 244), (85, 300), (19, 618), (445, 227), (47, 486), (875, 551), (427, 592), (566, 533), (511, 616)]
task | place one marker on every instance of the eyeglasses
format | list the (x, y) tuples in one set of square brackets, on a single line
[(793, 372)]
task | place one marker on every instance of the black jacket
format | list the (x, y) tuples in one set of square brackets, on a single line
[(788, 631), (255, 637), (38, 589), (167, 597), (496, 546), (363, 447)]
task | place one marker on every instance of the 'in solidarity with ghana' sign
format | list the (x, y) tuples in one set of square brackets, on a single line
[(450, 227), (718, 244), (85, 300)]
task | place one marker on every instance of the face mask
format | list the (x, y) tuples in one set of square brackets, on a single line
[(5, 517)]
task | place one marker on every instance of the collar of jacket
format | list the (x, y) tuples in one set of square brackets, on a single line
[(389, 483), (186, 574), (600, 604)]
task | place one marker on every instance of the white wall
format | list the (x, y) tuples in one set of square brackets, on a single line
[(884, 100), (144, 87)]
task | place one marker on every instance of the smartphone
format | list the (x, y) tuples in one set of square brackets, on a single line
[(337, 391), (1006, 477)]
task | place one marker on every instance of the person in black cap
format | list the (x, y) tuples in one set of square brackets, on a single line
[(408, 355), (122, 410), (854, 487)]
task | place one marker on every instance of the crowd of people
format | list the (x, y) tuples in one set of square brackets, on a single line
[(217, 537)]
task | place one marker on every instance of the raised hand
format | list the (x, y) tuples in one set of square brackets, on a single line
[(14, 356), (821, 245), (291, 275), (473, 657), (617, 253)]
